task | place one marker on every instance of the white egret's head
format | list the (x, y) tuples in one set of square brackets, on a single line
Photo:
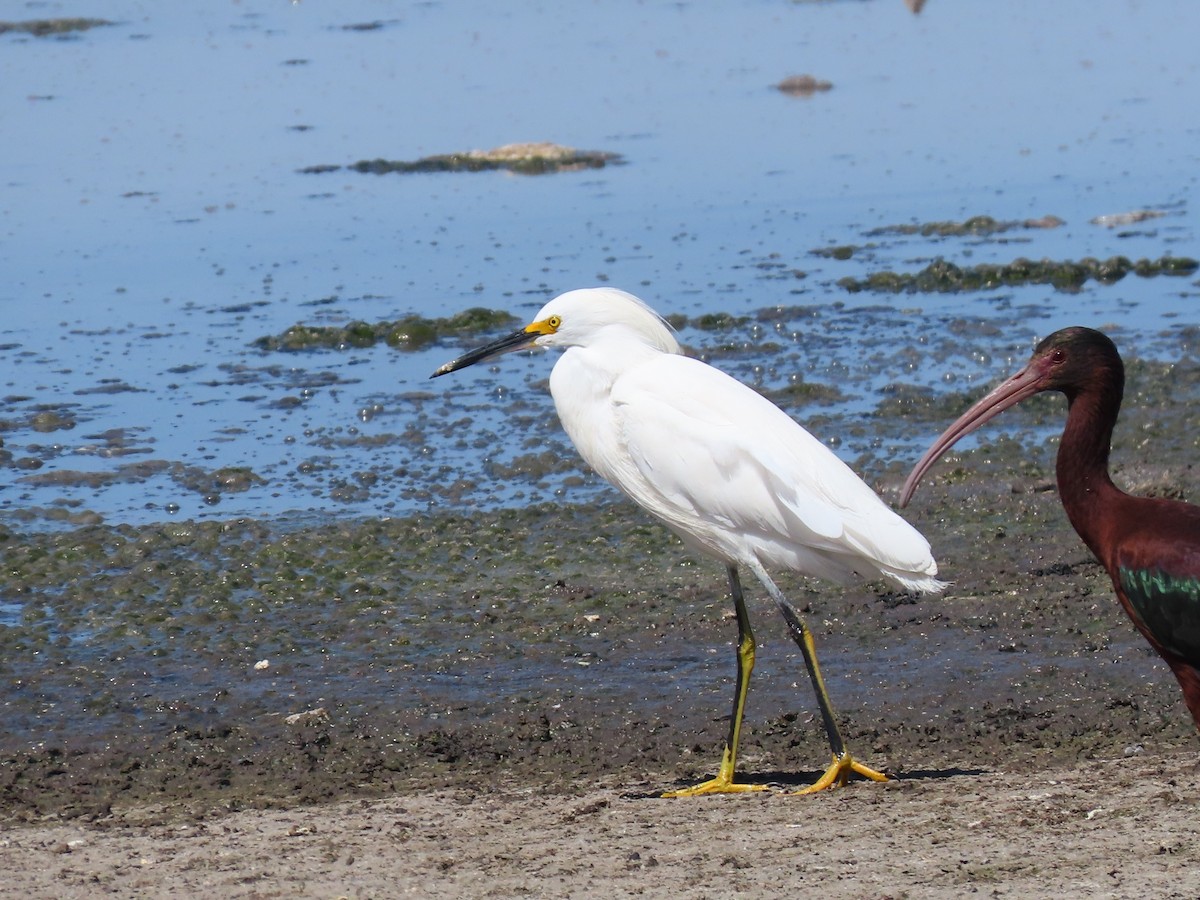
[(579, 319)]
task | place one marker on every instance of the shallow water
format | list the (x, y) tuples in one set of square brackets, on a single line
[(155, 222)]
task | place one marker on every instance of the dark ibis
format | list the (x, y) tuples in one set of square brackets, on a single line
[(1150, 546)]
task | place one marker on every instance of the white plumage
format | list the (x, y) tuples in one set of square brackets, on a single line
[(728, 471)]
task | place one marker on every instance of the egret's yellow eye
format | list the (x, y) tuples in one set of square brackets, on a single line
[(548, 325)]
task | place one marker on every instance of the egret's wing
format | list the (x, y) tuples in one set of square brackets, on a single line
[(709, 449)]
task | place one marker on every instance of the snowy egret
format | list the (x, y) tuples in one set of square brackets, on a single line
[(725, 469)]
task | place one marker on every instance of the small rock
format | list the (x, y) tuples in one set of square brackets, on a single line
[(310, 717)]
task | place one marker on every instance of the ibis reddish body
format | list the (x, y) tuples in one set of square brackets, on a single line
[(1150, 546)]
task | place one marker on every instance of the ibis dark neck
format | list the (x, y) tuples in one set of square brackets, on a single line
[(1088, 493)]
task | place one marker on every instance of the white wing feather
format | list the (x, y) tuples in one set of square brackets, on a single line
[(732, 473)]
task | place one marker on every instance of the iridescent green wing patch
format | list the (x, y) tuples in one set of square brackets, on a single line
[(1168, 605)]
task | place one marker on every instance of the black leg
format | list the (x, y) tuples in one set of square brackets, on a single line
[(843, 764), (724, 783)]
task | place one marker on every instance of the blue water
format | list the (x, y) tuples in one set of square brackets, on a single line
[(154, 221)]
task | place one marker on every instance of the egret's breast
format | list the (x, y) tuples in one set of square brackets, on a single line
[(582, 393)]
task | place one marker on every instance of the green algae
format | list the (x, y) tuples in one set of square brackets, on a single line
[(721, 321), (227, 479), (209, 482), (802, 393), (416, 332), (42, 418), (521, 159), (943, 276), (974, 226), (115, 592), (48, 27), (408, 333), (841, 253), (716, 322), (47, 420)]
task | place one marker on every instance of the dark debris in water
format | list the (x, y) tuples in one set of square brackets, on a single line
[(485, 442), (1134, 217), (408, 333), (976, 225), (943, 276), (801, 393), (719, 321), (126, 473), (803, 85), (214, 482), (51, 27), (210, 483), (376, 25), (522, 159), (43, 418), (841, 252)]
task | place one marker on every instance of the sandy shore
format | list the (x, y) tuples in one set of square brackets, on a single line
[(1112, 828)]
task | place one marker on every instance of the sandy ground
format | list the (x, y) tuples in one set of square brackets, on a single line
[(1113, 828)]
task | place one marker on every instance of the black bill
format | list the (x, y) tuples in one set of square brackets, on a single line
[(518, 340)]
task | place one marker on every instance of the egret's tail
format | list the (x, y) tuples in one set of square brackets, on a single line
[(922, 584)]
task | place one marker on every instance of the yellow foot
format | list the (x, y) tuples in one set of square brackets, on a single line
[(838, 774), (716, 785)]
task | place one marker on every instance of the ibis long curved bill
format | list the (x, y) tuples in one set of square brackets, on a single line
[(1150, 546), (1029, 381)]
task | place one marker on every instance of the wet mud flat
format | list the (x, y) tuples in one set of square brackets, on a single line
[(558, 667), (209, 667)]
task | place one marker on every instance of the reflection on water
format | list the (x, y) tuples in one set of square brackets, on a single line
[(10, 613), (155, 221)]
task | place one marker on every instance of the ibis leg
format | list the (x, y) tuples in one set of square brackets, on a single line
[(843, 764), (723, 783)]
